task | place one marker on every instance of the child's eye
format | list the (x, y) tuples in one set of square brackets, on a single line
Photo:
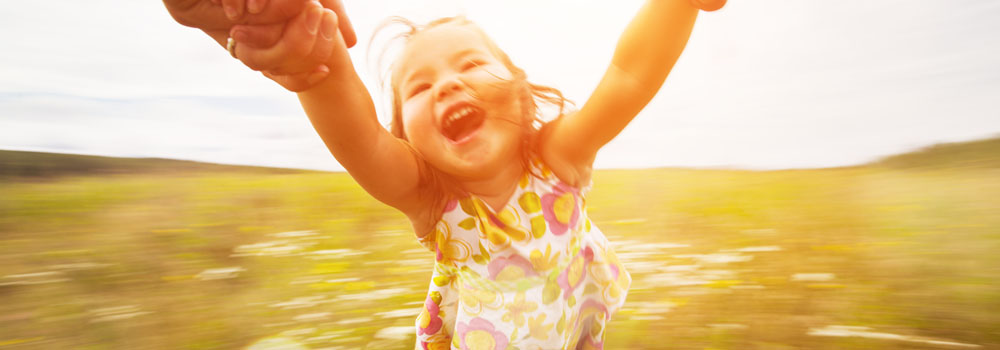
[(418, 89), (471, 64)]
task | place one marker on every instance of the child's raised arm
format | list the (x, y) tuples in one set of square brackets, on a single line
[(646, 52), (342, 112)]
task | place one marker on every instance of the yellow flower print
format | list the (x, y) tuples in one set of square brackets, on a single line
[(449, 250), (544, 262), (517, 308), (500, 228), (537, 327), (532, 205), (575, 273), (474, 300), (440, 341), (511, 224), (530, 202)]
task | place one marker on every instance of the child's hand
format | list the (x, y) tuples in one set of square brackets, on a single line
[(708, 5), (302, 56)]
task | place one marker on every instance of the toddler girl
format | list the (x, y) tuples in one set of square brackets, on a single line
[(493, 191)]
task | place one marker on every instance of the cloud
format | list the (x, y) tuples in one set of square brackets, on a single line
[(192, 128)]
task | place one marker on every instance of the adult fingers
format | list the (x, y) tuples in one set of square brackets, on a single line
[(256, 6), (343, 21), (275, 11), (257, 35), (198, 14), (233, 8), (259, 11)]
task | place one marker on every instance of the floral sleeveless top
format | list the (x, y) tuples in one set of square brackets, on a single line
[(535, 275)]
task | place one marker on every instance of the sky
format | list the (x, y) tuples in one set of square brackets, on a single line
[(763, 84)]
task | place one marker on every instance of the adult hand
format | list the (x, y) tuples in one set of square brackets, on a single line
[(265, 18), (261, 23)]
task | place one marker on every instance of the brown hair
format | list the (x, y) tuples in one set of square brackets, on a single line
[(534, 96)]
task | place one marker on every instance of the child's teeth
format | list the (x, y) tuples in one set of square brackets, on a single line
[(459, 114), (462, 113)]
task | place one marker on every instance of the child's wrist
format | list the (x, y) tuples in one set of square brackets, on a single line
[(301, 82)]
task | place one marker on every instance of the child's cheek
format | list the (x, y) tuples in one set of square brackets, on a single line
[(417, 117), (493, 87)]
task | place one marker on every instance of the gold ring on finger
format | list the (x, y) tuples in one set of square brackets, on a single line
[(231, 47)]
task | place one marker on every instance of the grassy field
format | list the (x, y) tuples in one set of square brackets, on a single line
[(875, 257)]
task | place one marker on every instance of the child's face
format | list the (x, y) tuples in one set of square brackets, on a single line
[(460, 107)]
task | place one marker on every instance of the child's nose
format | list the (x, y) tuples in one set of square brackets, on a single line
[(447, 87)]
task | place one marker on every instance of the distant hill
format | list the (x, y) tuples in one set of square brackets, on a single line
[(41, 164), (971, 154)]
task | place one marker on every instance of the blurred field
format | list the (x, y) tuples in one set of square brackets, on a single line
[(875, 257)]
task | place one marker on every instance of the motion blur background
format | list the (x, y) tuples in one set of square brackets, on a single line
[(775, 195)]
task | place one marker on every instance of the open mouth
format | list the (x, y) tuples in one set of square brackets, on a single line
[(461, 121)]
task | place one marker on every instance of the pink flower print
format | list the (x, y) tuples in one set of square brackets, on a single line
[(436, 342), (623, 280), (594, 313), (429, 322), (590, 344), (574, 274), (480, 334), (450, 205), (559, 208), (510, 268), (594, 308), (501, 228), (612, 277)]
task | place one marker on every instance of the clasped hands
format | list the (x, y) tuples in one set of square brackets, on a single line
[(290, 41)]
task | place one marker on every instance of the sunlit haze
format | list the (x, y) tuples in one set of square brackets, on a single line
[(762, 84)]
